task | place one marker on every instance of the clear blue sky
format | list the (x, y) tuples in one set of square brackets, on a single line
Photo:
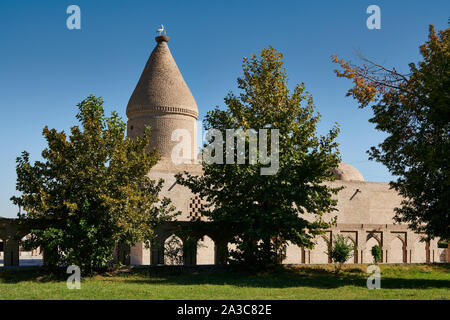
[(46, 69)]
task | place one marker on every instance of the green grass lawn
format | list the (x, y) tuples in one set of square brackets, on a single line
[(299, 282)]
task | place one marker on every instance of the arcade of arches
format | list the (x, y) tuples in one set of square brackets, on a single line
[(398, 244), (174, 246)]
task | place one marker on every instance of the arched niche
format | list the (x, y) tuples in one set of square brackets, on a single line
[(293, 254), (205, 250), (319, 254), (397, 251), (419, 254), (173, 250), (371, 242), (350, 236)]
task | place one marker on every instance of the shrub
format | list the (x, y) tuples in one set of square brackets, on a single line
[(340, 250), (376, 254)]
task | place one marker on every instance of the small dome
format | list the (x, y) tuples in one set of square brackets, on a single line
[(347, 172)]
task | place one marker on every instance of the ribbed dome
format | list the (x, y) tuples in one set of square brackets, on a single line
[(347, 172), (161, 88)]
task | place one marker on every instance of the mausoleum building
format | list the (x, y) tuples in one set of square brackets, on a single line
[(163, 101)]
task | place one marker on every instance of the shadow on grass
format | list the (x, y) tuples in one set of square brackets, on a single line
[(321, 277), (36, 274), (312, 277)]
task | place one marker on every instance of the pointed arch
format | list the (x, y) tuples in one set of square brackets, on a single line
[(419, 251), (173, 250), (293, 254), (319, 254), (352, 236), (397, 250), (371, 242), (205, 250)]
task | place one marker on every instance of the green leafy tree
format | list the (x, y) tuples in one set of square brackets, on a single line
[(376, 254), (91, 191), (261, 213), (413, 110), (340, 249)]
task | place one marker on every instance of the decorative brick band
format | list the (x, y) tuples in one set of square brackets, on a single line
[(161, 109)]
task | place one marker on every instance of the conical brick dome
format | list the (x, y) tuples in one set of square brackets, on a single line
[(161, 87), (163, 102)]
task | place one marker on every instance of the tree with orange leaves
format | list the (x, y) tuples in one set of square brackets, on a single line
[(414, 111)]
